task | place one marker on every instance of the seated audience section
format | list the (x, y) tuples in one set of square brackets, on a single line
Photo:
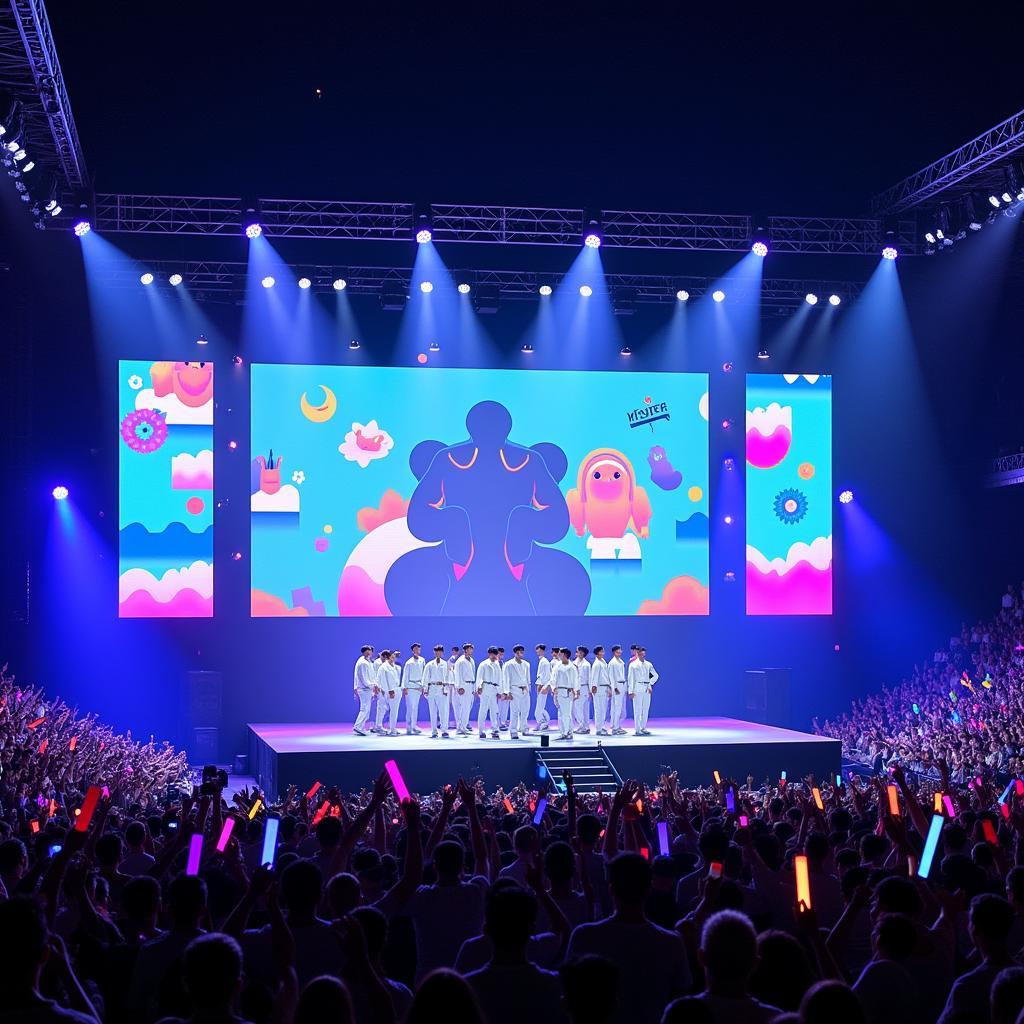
[(165, 474)]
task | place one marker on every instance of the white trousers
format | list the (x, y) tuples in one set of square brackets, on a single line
[(564, 700), (463, 706), (641, 707), (519, 710), (541, 714), (382, 705), (365, 703), (581, 710), (504, 712), (393, 705), (601, 706), (412, 709), (488, 706), (618, 706), (437, 707)]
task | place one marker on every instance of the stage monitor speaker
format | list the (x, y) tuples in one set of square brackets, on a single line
[(203, 712), (767, 696)]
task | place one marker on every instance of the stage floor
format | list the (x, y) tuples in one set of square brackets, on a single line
[(285, 753)]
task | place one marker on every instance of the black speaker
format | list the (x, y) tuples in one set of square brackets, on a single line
[(202, 715), (767, 696)]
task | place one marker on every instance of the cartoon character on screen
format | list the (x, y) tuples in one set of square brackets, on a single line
[(270, 472), (487, 507), (191, 383), (607, 503)]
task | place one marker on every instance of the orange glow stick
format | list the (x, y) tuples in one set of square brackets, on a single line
[(803, 881)]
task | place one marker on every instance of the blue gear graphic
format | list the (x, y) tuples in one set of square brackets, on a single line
[(790, 505)]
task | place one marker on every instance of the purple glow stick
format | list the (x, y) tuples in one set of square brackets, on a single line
[(663, 847), (195, 852)]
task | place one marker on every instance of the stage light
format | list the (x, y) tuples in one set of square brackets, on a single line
[(424, 235), (759, 249), (592, 240), (435, 347), (528, 349), (353, 344), (845, 497), (463, 288), (232, 445), (545, 289), (339, 284), (268, 282), (237, 360), (718, 295), (929, 238), (201, 340), (994, 200), (13, 147), (726, 424), (305, 283), (1006, 196), (726, 367), (889, 253), (625, 351), (939, 235), (728, 463), (586, 291), (174, 280), (834, 300), (682, 295), (236, 555), (253, 230), (426, 287), (811, 299), (762, 353), (28, 167), (56, 211), (50, 205), (727, 520), (146, 278), (60, 492)]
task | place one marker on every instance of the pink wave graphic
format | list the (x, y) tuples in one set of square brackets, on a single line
[(263, 605), (803, 590), (763, 452), (358, 594), (186, 604), (683, 595)]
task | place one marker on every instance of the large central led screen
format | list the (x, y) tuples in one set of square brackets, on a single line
[(426, 491)]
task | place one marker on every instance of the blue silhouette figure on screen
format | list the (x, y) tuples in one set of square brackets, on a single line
[(492, 505)]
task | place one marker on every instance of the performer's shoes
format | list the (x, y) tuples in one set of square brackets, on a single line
[(494, 735), (645, 732), (603, 732), (503, 728), (566, 736), (514, 736), (433, 735), (444, 736), (618, 732), (359, 732)]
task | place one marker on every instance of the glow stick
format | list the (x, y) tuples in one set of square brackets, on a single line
[(92, 798), (195, 852), (1006, 792), (989, 832), (818, 802), (716, 869), (320, 812), (1019, 783), (639, 807), (645, 853), (803, 881), (931, 843), (311, 792), (225, 835), (509, 807), (839, 780), (401, 789), (947, 802), (917, 710), (730, 801), (937, 805), (782, 775), (270, 841), (542, 806), (43, 746), (72, 743), (1005, 809), (894, 801), (255, 809), (744, 821), (718, 777), (663, 846), (34, 825)]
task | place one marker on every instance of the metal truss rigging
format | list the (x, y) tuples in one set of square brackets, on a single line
[(496, 225), (227, 280), (30, 71), (968, 166)]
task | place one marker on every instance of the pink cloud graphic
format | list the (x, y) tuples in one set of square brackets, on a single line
[(392, 506), (683, 595), (192, 472)]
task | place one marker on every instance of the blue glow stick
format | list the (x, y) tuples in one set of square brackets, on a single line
[(730, 801), (917, 709), (1006, 792), (542, 805), (663, 847), (930, 846), (270, 841)]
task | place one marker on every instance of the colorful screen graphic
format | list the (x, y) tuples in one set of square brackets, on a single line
[(789, 494), (165, 541), (394, 491)]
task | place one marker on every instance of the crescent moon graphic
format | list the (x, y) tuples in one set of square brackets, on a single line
[(319, 413)]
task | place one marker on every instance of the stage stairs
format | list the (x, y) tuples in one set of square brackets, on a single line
[(591, 767)]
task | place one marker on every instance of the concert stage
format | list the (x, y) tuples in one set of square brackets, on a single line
[(281, 754)]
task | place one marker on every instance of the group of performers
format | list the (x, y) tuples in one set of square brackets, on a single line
[(586, 692)]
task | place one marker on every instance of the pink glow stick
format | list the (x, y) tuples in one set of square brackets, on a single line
[(401, 789), (950, 809), (225, 835), (195, 852)]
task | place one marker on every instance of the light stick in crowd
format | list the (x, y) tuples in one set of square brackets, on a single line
[(718, 777), (311, 792), (894, 800), (195, 852), (508, 806), (937, 805), (542, 806), (839, 780), (401, 789), (1006, 792), (1005, 809), (225, 835), (803, 881), (931, 844), (663, 846), (92, 798), (270, 841), (818, 802), (989, 832), (715, 870), (744, 821), (730, 801), (947, 802), (1020, 786), (255, 809)]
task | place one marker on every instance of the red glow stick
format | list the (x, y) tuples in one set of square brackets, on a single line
[(73, 743), (716, 869), (989, 832), (225, 835), (43, 746), (1020, 787), (645, 853), (38, 722), (312, 790), (894, 801), (509, 807), (803, 881), (321, 811), (401, 789), (92, 798), (34, 825), (1005, 809)]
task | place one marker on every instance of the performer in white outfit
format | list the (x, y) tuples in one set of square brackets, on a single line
[(452, 659), (364, 680), (465, 683), (435, 682), (565, 682), (488, 689), (504, 705), (379, 695), (390, 683), (642, 678), (412, 689), (517, 690), (581, 706), (601, 689), (617, 668), (541, 715)]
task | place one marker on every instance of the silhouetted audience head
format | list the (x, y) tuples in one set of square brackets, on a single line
[(590, 989), (324, 1000), (444, 996)]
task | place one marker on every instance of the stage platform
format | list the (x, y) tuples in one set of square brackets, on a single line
[(281, 754)]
